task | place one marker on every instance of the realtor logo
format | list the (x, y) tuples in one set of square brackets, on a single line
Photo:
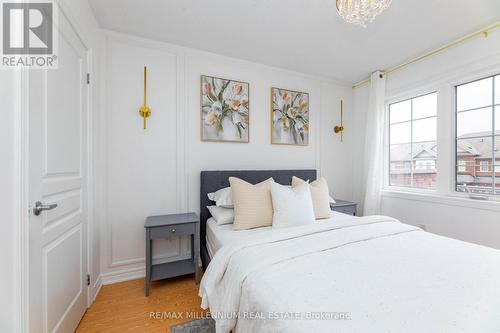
[(28, 34)]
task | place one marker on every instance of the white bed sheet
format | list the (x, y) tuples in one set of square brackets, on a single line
[(220, 235), (385, 275)]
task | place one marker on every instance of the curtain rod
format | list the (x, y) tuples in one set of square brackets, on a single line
[(480, 33)]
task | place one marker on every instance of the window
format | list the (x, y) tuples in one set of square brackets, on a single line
[(412, 142), (484, 166), (425, 165), (478, 136), (462, 166)]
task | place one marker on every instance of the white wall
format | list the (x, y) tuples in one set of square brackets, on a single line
[(157, 170), (452, 217), (460, 218)]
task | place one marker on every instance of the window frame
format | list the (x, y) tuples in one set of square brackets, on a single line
[(444, 83), (387, 142), (455, 112)]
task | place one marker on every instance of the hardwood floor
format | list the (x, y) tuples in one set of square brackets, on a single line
[(122, 307)]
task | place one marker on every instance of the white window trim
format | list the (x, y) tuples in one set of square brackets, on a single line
[(492, 204)]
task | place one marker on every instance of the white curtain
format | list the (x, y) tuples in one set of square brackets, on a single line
[(374, 145)]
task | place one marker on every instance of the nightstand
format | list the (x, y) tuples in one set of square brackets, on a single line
[(164, 226), (345, 207)]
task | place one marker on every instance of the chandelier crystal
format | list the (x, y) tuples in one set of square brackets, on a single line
[(361, 11)]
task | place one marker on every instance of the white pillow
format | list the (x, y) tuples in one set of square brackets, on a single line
[(291, 206), (222, 197), (319, 194), (222, 215)]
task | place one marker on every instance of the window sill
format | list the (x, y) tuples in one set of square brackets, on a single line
[(449, 200)]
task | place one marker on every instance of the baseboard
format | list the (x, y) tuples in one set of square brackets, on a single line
[(96, 288), (132, 273), (123, 275)]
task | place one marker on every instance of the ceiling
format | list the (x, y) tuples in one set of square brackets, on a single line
[(301, 35)]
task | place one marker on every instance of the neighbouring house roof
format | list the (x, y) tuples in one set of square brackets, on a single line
[(478, 145), (422, 150), (470, 147)]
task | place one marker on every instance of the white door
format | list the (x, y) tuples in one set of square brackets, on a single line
[(57, 104)]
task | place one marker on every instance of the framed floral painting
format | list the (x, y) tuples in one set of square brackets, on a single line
[(224, 110), (289, 117)]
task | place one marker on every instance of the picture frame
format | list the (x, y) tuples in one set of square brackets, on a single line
[(289, 121), (224, 110)]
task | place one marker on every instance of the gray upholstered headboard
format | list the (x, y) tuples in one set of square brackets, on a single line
[(212, 181)]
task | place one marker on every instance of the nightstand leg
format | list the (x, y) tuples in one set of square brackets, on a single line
[(197, 253), (192, 246), (148, 262)]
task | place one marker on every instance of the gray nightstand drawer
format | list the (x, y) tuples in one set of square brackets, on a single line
[(174, 230), (345, 207), (349, 210)]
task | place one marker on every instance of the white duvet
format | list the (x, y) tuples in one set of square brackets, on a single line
[(370, 274)]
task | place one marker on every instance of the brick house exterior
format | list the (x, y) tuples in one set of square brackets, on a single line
[(416, 166), (477, 163)]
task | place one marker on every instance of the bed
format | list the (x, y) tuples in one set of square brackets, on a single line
[(219, 235), (366, 274)]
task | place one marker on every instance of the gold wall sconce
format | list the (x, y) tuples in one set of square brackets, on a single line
[(340, 129), (145, 111)]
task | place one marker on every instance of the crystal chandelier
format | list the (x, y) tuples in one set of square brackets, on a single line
[(361, 11)]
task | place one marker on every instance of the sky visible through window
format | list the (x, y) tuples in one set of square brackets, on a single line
[(424, 128), (474, 107)]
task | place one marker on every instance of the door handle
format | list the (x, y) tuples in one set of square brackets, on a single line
[(39, 207)]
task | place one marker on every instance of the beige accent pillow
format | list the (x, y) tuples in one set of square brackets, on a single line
[(253, 206), (320, 196)]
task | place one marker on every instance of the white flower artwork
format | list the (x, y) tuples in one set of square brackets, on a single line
[(224, 110), (289, 117)]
